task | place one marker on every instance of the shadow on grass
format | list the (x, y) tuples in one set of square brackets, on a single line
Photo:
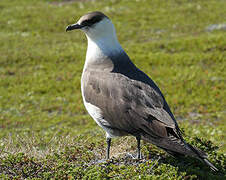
[(193, 166)]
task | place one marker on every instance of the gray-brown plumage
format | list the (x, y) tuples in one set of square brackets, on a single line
[(121, 98)]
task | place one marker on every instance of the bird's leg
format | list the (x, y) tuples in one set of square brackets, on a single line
[(138, 147), (108, 147)]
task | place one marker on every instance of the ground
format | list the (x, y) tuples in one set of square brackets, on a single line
[(45, 131)]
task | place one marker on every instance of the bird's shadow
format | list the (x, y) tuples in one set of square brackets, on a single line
[(192, 167)]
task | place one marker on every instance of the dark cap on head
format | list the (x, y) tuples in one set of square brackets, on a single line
[(92, 18), (88, 19)]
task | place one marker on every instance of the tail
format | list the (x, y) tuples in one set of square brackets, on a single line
[(202, 156), (208, 163), (178, 147)]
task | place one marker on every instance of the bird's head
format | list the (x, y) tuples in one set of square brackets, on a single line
[(95, 25)]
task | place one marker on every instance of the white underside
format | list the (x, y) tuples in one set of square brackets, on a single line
[(96, 113)]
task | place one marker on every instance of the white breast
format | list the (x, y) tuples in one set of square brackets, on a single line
[(96, 113)]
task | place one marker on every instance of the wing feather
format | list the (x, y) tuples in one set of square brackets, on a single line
[(137, 104)]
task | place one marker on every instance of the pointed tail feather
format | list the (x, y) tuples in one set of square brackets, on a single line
[(178, 147), (204, 160), (207, 162), (199, 155), (202, 156)]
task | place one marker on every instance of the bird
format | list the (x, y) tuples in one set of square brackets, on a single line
[(121, 98)]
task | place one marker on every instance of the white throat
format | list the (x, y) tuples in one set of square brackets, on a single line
[(102, 47), (102, 42)]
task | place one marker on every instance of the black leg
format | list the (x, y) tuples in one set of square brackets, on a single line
[(138, 147), (108, 147)]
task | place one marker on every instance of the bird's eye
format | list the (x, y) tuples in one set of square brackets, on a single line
[(90, 22), (87, 23)]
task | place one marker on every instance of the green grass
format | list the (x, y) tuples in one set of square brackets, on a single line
[(45, 131)]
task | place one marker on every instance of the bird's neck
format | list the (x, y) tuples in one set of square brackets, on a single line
[(101, 49)]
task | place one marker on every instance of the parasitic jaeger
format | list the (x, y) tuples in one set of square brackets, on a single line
[(121, 98)]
